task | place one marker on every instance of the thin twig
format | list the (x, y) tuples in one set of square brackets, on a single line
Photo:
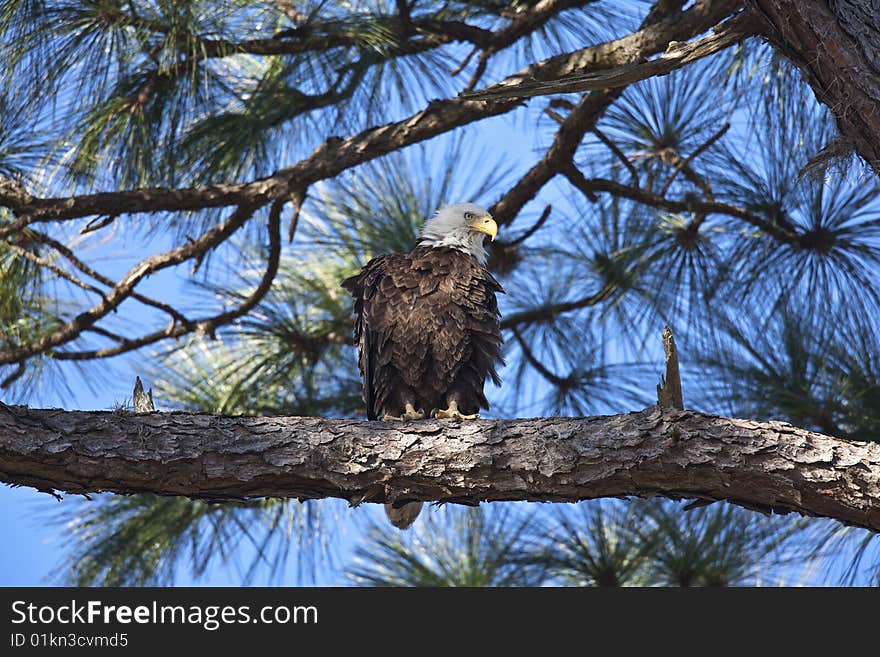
[(14, 376), (535, 227), (98, 223), (555, 116), (467, 60), (690, 158), (175, 314), (618, 153), (550, 311), (37, 260), (555, 379), (121, 339), (589, 187), (482, 62), (124, 287)]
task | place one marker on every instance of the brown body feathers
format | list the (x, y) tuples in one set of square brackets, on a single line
[(428, 330)]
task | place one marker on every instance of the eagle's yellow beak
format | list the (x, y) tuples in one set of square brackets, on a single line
[(485, 225)]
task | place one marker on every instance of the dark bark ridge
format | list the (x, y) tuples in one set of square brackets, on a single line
[(771, 466)]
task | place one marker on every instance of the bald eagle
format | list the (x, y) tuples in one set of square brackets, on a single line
[(427, 326)]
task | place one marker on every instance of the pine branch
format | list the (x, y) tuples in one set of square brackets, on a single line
[(331, 158), (410, 37), (205, 326), (589, 187), (123, 288), (582, 117), (336, 155), (771, 466), (677, 55), (580, 120)]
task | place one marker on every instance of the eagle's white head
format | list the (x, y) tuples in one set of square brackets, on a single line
[(461, 226)]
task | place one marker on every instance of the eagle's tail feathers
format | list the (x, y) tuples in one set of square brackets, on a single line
[(404, 515)]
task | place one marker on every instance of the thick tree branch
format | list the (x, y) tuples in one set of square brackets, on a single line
[(581, 119), (676, 56), (768, 465)]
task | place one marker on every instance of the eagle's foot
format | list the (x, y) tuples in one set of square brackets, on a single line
[(410, 413), (452, 413)]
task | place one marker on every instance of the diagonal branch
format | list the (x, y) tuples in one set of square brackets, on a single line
[(123, 289), (208, 325), (676, 56), (566, 141), (582, 117), (535, 362), (766, 465), (549, 312), (409, 37), (65, 251)]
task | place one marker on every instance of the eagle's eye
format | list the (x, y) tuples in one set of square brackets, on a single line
[(468, 215)]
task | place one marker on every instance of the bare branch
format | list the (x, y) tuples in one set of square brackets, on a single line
[(669, 389), (581, 119), (549, 312), (176, 315), (98, 223), (664, 16), (58, 271), (536, 363), (619, 155), (122, 290), (208, 325), (534, 228)]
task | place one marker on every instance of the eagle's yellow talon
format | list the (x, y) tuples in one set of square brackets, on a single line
[(452, 413), (409, 414)]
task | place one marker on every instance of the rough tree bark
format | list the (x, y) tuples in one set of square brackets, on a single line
[(764, 465), (837, 46)]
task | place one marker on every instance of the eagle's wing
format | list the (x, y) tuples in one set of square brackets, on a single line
[(363, 288), (483, 328), (485, 323)]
